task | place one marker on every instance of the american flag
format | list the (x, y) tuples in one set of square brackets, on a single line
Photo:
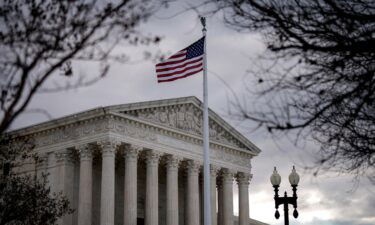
[(184, 63)]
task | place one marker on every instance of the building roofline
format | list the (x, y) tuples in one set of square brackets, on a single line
[(101, 111)]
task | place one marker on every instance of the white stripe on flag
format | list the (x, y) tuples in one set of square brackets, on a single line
[(179, 69), (182, 74), (178, 64)]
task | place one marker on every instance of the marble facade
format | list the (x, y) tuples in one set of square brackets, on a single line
[(141, 163)]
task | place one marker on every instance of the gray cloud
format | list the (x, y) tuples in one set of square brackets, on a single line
[(324, 200)]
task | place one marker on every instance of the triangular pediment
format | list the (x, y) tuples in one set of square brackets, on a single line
[(185, 115)]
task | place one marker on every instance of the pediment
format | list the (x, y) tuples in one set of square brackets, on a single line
[(186, 116), (179, 114)]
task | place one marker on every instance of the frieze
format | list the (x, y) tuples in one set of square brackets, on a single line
[(132, 131), (129, 128), (93, 127), (71, 132), (230, 156)]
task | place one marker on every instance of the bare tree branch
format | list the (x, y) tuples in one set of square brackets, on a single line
[(322, 81)]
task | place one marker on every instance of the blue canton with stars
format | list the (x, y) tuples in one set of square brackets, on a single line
[(195, 49)]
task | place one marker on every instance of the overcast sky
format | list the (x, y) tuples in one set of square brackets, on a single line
[(326, 200)]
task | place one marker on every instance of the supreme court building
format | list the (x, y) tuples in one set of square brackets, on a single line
[(141, 163)]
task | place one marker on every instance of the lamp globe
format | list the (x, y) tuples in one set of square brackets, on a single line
[(294, 177), (275, 178)]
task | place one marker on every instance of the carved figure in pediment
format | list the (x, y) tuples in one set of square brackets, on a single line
[(172, 118), (181, 118), (213, 132), (197, 120), (189, 119), (150, 115), (163, 116), (186, 117)]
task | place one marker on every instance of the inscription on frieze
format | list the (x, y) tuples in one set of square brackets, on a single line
[(93, 128)]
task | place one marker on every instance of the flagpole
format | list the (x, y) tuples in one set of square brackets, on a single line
[(206, 169)]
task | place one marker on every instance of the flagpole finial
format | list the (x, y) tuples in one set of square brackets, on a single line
[(203, 22)]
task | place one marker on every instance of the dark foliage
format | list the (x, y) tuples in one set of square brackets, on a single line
[(320, 81), (27, 201), (40, 39), (24, 199)]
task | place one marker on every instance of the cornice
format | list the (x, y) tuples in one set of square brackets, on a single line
[(185, 100), (103, 113), (66, 121), (153, 128), (168, 131)]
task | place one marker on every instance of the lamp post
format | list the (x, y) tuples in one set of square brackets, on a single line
[(275, 181)]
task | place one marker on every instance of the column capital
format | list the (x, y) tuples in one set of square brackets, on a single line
[(227, 176), (85, 152), (152, 157), (193, 167), (243, 178), (214, 170), (109, 146), (65, 156), (172, 161), (131, 152), (41, 160)]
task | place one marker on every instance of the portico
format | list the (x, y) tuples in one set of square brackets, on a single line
[(140, 164)]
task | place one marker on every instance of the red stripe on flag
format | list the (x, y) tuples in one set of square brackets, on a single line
[(169, 63), (176, 78), (181, 71), (176, 67), (177, 55)]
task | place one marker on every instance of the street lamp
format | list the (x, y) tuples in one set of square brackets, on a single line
[(275, 181)]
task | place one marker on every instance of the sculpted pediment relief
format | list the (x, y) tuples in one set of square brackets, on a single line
[(186, 118)]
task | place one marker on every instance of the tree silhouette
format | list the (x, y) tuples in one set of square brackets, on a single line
[(319, 78), (25, 198), (40, 38)]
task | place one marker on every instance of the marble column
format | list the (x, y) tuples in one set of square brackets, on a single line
[(107, 199), (152, 188), (192, 216), (41, 167), (172, 163), (65, 179), (219, 185), (227, 182), (201, 198), (243, 181), (85, 185), (130, 184), (51, 171), (214, 171)]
